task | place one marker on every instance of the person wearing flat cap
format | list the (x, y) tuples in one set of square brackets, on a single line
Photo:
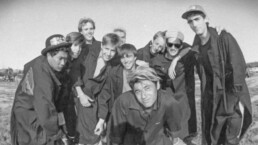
[(36, 118), (225, 100), (183, 83)]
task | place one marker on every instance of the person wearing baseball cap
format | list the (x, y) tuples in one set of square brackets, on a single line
[(183, 83), (35, 117), (226, 105)]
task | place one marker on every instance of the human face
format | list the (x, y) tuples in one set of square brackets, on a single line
[(173, 46), (108, 51), (88, 31), (75, 50), (121, 36), (157, 45), (146, 92), (58, 61), (198, 24), (128, 61)]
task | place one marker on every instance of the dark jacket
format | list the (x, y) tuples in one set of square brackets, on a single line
[(182, 84), (88, 116), (144, 53), (114, 85), (229, 86), (130, 125), (34, 119)]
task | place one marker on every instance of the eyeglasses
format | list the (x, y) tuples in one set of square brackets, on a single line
[(172, 44)]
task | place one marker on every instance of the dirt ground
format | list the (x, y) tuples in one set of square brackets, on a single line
[(7, 90)]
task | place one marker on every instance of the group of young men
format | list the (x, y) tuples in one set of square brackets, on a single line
[(119, 95)]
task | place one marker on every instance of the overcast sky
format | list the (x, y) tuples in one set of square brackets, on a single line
[(25, 24)]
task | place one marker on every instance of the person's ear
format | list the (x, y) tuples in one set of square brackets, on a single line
[(48, 54), (158, 85), (206, 19)]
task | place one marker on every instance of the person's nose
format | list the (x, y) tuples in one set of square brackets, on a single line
[(63, 61), (144, 96), (194, 23)]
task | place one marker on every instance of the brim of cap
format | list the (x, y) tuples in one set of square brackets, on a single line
[(184, 16), (47, 49)]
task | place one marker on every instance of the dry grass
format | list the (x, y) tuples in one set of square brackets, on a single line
[(7, 91)]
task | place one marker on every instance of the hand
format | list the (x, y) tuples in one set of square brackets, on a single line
[(172, 68), (219, 29), (178, 141), (99, 127), (142, 63), (85, 100)]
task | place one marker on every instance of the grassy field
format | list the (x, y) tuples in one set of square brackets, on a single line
[(7, 90)]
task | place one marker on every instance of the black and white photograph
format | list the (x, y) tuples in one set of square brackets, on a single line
[(128, 72)]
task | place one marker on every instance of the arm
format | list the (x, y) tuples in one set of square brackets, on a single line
[(118, 123), (43, 102), (158, 66), (140, 54), (173, 115), (103, 104), (235, 60), (182, 53), (84, 99)]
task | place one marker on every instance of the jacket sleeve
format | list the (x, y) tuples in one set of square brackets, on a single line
[(235, 60), (43, 101), (76, 75), (173, 115), (157, 65), (104, 98), (179, 81), (118, 122), (140, 54)]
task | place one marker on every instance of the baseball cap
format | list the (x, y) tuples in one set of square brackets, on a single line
[(193, 8)]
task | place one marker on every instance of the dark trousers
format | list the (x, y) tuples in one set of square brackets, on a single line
[(220, 125)]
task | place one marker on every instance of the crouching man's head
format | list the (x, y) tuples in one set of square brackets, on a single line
[(56, 51), (145, 84)]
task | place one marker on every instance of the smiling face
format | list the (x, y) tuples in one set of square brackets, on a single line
[(128, 60), (173, 46), (197, 22), (157, 45), (88, 31), (75, 50), (108, 51), (146, 92)]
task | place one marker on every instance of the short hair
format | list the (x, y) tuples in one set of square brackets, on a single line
[(126, 49), (142, 73), (120, 30), (110, 38), (84, 21), (160, 34), (55, 51), (75, 38)]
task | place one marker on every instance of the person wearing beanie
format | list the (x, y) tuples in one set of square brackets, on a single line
[(225, 99), (36, 118)]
